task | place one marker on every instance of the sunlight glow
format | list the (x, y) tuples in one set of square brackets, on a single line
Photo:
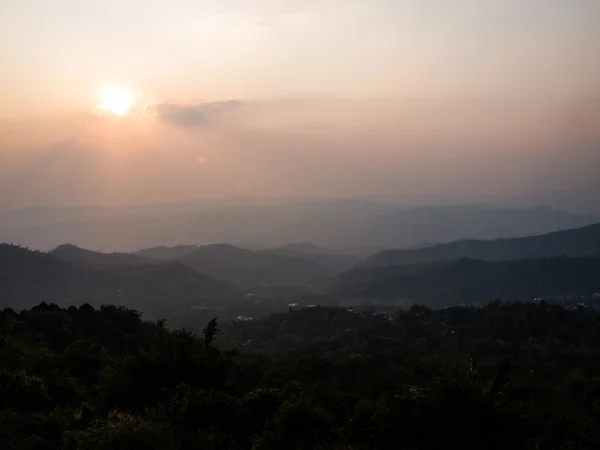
[(115, 100)]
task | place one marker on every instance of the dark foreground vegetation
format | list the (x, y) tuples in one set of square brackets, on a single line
[(504, 376)]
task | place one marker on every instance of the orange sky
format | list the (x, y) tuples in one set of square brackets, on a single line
[(296, 97)]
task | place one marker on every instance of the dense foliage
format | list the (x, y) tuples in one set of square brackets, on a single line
[(502, 376)]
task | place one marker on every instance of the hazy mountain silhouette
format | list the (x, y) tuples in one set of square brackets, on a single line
[(585, 200), (332, 259), (577, 242), (80, 256), (344, 225), (256, 268), (306, 248), (466, 280), (222, 261), (449, 223), (28, 277), (163, 253)]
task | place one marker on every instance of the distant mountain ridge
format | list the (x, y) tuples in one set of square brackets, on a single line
[(306, 248), (221, 261), (334, 260), (165, 253), (256, 268), (578, 242), (28, 277), (76, 255), (447, 283), (342, 224)]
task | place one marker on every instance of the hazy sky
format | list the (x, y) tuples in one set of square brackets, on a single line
[(466, 98)]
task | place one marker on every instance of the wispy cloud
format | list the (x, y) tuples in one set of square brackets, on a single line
[(194, 115)]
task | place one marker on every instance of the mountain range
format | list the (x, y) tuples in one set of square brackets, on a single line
[(449, 283), (28, 277), (247, 268), (350, 226), (227, 279), (256, 268), (579, 242)]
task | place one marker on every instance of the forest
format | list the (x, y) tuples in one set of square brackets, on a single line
[(504, 375)]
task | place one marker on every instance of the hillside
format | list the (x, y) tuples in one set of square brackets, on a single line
[(578, 242), (306, 248), (256, 268), (336, 261), (28, 277), (81, 256), (163, 253), (466, 281)]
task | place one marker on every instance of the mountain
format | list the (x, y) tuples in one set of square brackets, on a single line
[(334, 260), (464, 281), (163, 253), (255, 268), (407, 227), (579, 242), (306, 248), (80, 256), (340, 224), (584, 200), (28, 277)]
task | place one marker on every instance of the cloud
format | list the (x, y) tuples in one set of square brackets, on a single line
[(191, 116)]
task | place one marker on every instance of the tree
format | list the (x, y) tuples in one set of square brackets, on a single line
[(210, 333)]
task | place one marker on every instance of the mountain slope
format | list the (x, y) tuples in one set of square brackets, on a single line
[(306, 248), (28, 277), (410, 226), (163, 253), (81, 256), (466, 280), (255, 268), (336, 261), (579, 242)]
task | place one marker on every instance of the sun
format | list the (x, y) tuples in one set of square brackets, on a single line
[(115, 100)]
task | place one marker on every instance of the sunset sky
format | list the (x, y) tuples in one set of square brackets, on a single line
[(135, 101)]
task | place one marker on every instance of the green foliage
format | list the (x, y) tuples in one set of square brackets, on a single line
[(519, 376)]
